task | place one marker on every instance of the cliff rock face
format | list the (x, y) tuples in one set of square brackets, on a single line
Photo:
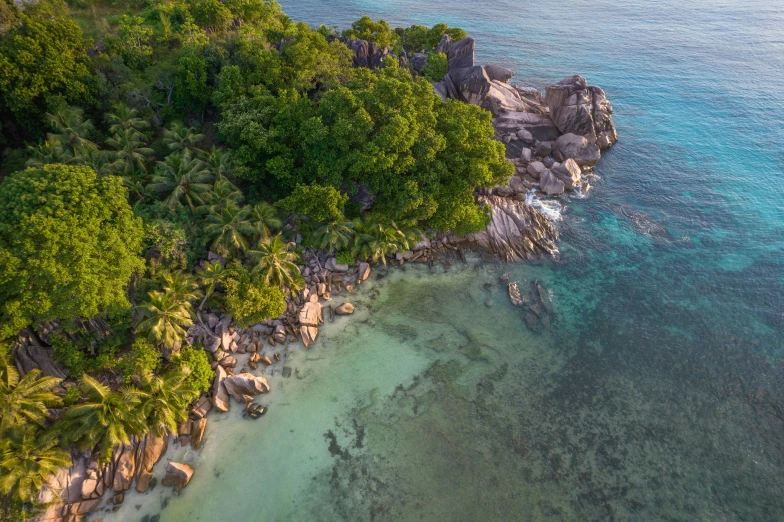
[(577, 108)]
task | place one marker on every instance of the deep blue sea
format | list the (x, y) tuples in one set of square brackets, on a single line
[(658, 392)]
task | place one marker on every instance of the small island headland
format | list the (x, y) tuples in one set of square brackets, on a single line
[(553, 140)]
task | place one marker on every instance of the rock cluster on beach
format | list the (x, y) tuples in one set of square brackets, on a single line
[(74, 492)]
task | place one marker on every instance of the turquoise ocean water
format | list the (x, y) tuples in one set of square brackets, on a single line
[(658, 391)]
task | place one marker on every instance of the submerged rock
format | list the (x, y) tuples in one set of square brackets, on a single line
[(514, 294), (345, 309), (197, 435)]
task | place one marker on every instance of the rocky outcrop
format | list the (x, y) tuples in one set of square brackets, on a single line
[(366, 54), (74, 492), (577, 108), (461, 54), (516, 231), (31, 357)]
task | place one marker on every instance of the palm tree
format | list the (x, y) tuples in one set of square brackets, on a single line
[(275, 262), (27, 459), (130, 151), (164, 401), (104, 420), (223, 192), (134, 185), (96, 159), (218, 161), (165, 318), (46, 153), (124, 118), (71, 130), (335, 235), (265, 217), (211, 276), (181, 285), (181, 177), (25, 400), (375, 241), (228, 227), (179, 137)]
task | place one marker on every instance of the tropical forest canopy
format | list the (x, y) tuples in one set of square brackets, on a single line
[(138, 136)]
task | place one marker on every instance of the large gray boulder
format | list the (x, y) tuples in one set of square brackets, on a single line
[(345, 309), (37, 358), (578, 148), (496, 72), (535, 169), (149, 451), (461, 54), (568, 172), (468, 84), (551, 185), (309, 335), (577, 108), (440, 89), (311, 314), (419, 62), (177, 475), (220, 397)]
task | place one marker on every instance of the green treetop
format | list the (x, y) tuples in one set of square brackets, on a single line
[(318, 203), (69, 243), (378, 32), (42, 59)]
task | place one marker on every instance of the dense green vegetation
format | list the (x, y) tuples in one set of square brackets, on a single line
[(136, 137)]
